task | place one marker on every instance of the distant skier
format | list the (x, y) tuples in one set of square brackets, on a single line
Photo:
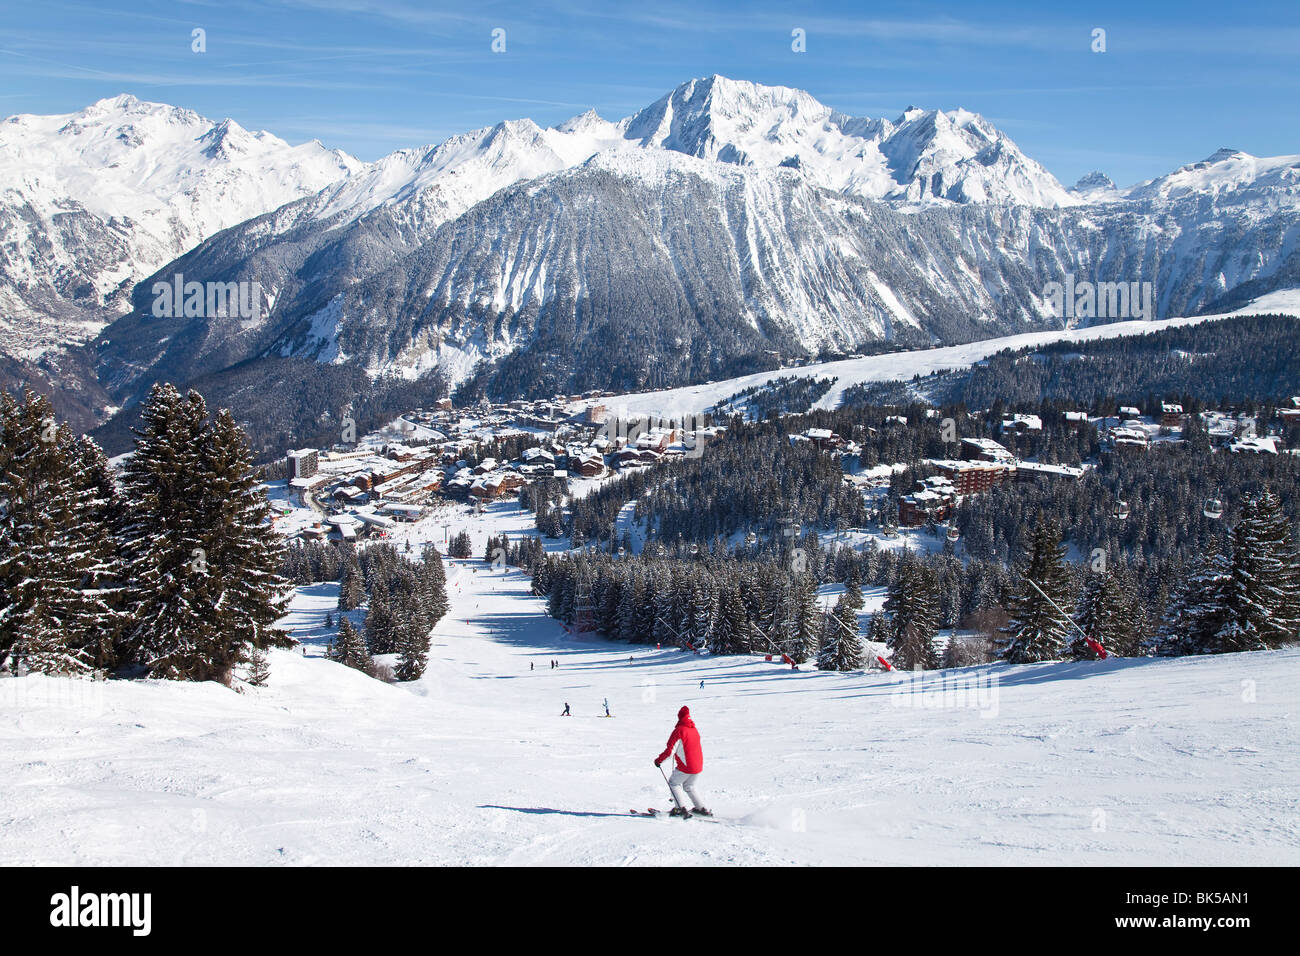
[(607, 713), (566, 710), (688, 757), (701, 685)]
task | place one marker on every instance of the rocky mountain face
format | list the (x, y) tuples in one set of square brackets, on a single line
[(723, 226), (92, 202)]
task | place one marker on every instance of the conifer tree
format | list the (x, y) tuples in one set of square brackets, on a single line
[(349, 647), (51, 551), (1107, 612), (259, 667), (913, 606), (806, 622), (412, 651), (1263, 598), (841, 648), (202, 560), (381, 622), (1037, 631)]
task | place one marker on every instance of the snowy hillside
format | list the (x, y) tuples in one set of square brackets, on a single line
[(92, 202), (1189, 761), (900, 366)]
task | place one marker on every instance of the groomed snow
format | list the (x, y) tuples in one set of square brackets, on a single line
[(1192, 761)]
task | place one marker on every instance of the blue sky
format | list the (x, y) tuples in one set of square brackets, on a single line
[(1177, 80)]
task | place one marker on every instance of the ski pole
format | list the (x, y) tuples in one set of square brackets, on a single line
[(670, 787), (1069, 620)]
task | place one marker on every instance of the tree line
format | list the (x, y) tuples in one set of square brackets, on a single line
[(173, 572)]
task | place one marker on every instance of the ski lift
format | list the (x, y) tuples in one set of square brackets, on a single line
[(695, 549), (1121, 511), (622, 551), (751, 538), (1213, 508), (953, 534)]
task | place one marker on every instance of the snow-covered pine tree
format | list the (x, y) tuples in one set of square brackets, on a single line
[(433, 586), (1037, 631), (259, 667), (168, 573), (1107, 612), (806, 620), (381, 623), (841, 648), (913, 608), (731, 634), (104, 607), (352, 586), (1263, 598), (244, 552), (349, 647), (49, 549), (412, 651)]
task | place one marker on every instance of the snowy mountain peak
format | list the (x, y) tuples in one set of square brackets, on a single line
[(583, 121), (1224, 152), (1230, 173), (1090, 182), (926, 156), (98, 199)]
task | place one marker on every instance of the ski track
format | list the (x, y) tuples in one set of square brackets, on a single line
[(1115, 763)]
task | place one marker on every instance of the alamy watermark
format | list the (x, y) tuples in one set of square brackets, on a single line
[(1099, 300), (206, 300), (684, 432), (968, 690)]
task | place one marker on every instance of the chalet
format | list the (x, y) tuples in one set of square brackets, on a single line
[(350, 495), (985, 449), (1172, 415), (1250, 444), (658, 439), (823, 438), (1129, 413), (635, 457), (496, 485), (932, 501), (1123, 438), (1019, 424), (588, 464), (1036, 471), (1076, 420)]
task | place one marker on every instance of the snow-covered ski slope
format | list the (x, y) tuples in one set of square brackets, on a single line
[(1191, 761), (900, 366)]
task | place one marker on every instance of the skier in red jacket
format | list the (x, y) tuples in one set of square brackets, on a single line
[(684, 745)]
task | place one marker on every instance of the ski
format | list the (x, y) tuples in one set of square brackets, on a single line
[(652, 812)]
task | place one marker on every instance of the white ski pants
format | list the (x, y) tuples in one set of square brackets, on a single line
[(680, 781)]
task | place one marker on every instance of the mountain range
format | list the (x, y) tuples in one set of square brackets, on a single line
[(725, 227)]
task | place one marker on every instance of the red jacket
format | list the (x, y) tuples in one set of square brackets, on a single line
[(684, 744)]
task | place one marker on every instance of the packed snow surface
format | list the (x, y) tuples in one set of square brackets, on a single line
[(1189, 761)]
